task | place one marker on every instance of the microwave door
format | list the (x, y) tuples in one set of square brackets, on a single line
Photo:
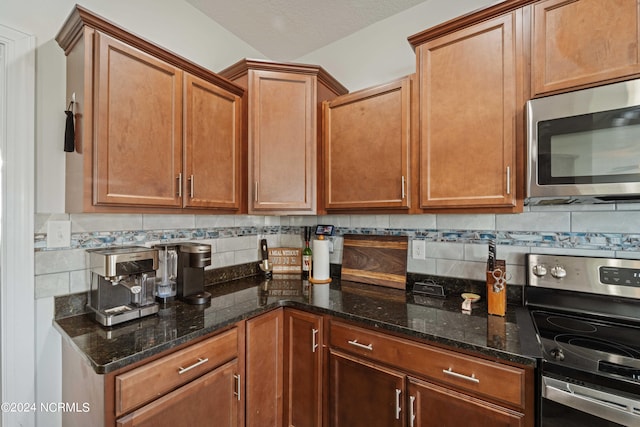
[(585, 143), (590, 154), (597, 148)]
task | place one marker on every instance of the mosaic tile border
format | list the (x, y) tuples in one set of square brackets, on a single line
[(104, 239), (572, 240), (559, 240)]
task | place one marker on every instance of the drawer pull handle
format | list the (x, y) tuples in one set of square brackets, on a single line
[(314, 336), (355, 343), (471, 378), (200, 361)]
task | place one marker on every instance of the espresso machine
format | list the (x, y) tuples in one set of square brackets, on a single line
[(122, 284), (192, 260)]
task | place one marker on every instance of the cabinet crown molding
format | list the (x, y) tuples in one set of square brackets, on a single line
[(80, 17), (466, 20), (243, 66)]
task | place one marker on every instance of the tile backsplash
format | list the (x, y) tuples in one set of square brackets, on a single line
[(456, 244)]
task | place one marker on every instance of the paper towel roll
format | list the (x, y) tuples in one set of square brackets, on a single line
[(320, 257)]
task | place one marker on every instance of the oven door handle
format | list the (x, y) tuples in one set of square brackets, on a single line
[(613, 408)]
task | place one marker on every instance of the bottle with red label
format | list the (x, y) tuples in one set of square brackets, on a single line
[(306, 255)]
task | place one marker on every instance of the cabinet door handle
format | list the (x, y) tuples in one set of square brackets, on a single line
[(398, 408), (314, 336), (237, 392), (404, 194), (508, 180), (200, 361), (191, 186), (412, 412), (471, 378), (355, 343), (179, 179), (255, 192)]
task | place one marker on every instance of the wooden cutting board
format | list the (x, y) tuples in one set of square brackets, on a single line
[(378, 260)]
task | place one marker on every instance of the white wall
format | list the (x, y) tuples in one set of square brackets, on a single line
[(173, 24), (381, 52), (17, 115)]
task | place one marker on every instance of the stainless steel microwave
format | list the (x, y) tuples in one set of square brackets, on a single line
[(584, 146)]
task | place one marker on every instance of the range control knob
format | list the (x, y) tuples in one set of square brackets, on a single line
[(558, 272), (557, 354), (539, 270)]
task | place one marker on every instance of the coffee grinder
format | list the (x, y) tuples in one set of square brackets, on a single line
[(122, 284), (192, 260)]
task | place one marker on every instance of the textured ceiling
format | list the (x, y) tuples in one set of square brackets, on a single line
[(284, 30)]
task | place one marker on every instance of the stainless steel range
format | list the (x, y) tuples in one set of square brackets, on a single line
[(586, 313)]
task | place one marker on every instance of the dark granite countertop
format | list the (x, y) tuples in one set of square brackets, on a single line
[(440, 321)]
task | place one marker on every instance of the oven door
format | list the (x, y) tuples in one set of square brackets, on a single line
[(571, 405)]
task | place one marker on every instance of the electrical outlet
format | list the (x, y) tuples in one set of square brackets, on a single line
[(419, 249), (58, 234)]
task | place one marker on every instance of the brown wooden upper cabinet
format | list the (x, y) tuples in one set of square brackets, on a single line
[(152, 129), (367, 138), (470, 99), (283, 104), (213, 146), (577, 43)]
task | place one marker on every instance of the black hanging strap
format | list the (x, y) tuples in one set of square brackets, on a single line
[(69, 131)]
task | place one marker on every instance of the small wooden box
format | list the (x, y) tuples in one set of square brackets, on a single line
[(496, 301), (286, 260)]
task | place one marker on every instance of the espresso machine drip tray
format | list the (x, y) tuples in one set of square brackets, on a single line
[(124, 313)]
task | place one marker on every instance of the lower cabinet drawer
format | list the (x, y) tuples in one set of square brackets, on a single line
[(206, 401), (498, 382), (147, 382)]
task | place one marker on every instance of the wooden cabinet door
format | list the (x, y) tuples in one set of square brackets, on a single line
[(303, 369), (211, 400), (212, 141), (434, 406), (264, 370), (580, 42), (282, 142), (468, 93), (364, 394), (138, 116), (366, 142)]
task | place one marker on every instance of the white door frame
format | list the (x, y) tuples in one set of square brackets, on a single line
[(17, 195)]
